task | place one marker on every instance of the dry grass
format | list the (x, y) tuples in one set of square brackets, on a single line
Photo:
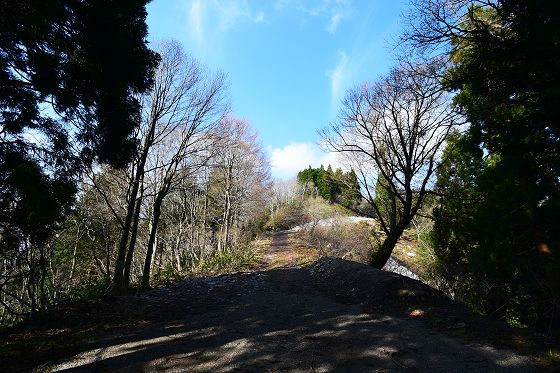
[(343, 240), (287, 249)]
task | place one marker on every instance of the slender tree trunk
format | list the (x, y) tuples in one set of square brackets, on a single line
[(133, 234), (43, 300), (177, 253), (151, 241), (73, 266), (119, 283), (192, 234), (176, 247), (226, 226), (160, 249), (204, 242), (224, 234)]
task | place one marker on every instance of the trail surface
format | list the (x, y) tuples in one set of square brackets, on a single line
[(282, 317)]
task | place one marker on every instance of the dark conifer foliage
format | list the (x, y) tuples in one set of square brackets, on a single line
[(69, 70), (498, 219), (69, 74), (507, 77)]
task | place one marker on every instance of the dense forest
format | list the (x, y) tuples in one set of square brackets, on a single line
[(122, 165), (495, 232)]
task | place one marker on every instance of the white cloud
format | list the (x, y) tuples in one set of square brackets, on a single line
[(338, 76), (229, 12), (210, 19), (333, 24), (287, 161)]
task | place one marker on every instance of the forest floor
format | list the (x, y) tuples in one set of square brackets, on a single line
[(288, 314)]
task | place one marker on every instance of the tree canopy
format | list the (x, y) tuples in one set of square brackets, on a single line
[(69, 72), (500, 189)]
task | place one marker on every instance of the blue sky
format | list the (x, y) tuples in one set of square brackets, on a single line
[(288, 62)]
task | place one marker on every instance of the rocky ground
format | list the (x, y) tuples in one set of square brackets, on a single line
[(286, 315)]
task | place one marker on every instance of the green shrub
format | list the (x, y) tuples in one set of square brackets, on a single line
[(89, 290), (165, 276), (230, 260)]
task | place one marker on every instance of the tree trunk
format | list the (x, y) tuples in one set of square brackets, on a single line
[(133, 234), (226, 226), (398, 220), (224, 232), (119, 283), (204, 217), (382, 255), (150, 252), (177, 253)]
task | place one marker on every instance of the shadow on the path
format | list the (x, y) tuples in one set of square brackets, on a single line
[(275, 320)]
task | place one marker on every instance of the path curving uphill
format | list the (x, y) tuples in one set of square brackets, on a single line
[(328, 316)]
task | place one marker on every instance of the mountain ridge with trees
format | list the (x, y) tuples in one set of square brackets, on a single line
[(124, 168)]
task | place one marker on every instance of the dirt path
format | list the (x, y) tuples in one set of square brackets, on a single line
[(273, 319)]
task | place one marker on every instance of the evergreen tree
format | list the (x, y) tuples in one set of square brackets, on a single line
[(349, 189), (68, 71), (336, 186), (323, 183), (501, 207)]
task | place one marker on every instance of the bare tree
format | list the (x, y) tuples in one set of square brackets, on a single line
[(283, 192), (183, 103), (394, 129), (242, 174), (438, 26), (185, 142), (184, 213)]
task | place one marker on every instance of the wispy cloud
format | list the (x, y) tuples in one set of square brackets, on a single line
[(195, 18), (338, 77), (339, 11), (333, 11), (210, 16), (230, 12)]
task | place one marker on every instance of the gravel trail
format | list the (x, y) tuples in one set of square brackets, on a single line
[(276, 320)]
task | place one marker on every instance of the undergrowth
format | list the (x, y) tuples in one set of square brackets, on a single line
[(230, 260), (234, 259)]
